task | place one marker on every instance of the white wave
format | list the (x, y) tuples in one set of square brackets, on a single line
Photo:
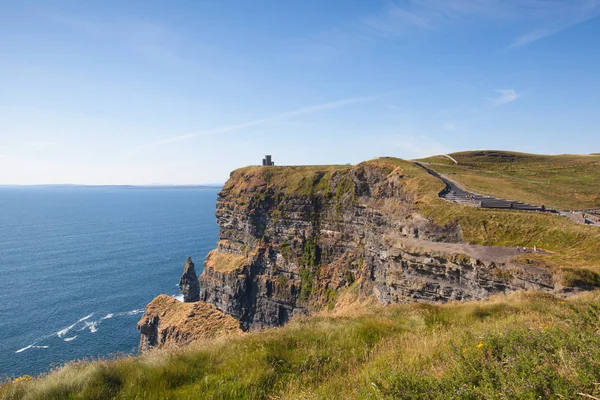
[(66, 330), (134, 312), (178, 297), (92, 326), (70, 338), (31, 346), (86, 317), (24, 348), (107, 316)]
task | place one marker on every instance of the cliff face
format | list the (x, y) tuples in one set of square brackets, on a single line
[(292, 238)]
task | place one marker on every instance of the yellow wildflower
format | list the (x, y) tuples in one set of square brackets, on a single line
[(480, 345), (23, 378)]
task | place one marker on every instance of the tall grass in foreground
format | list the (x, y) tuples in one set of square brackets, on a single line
[(525, 346)]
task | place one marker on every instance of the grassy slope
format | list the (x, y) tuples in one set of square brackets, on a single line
[(572, 245), (526, 346), (563, 182)]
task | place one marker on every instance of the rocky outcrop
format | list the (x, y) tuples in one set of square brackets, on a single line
[(168, 322), (188, 284)]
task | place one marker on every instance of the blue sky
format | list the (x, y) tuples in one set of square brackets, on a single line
[(142, 92)]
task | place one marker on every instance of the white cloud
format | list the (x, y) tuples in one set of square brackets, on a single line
[(284, 115), (505, 96)]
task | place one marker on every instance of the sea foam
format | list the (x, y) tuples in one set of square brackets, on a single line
[(66, 330), (178, 297), (31, 346)]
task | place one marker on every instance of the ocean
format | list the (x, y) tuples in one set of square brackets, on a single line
[(79, 264)]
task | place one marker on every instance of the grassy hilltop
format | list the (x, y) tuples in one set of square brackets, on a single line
[(526, 346), (564, 181)]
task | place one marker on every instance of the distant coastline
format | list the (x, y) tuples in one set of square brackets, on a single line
[(157, 187)]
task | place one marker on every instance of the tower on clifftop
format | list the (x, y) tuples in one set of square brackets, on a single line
[(266, 162)]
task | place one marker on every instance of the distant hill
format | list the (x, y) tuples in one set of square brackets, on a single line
[(562, 181)]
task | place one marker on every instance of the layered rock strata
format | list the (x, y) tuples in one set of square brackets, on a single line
[(293, 238)]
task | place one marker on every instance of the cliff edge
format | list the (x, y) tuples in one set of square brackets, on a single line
[(293, 240)]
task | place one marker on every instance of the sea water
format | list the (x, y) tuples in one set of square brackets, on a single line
[(79, 264)]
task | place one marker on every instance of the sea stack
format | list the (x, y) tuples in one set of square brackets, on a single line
[(188, 284)]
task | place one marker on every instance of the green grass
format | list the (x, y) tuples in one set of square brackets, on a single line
[(288, 180), (526, 346), (565, 181)]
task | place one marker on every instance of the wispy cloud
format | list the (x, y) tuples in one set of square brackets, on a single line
[(288, 114), (398, 18), (543, 17), (504, 96), (394, 20), (558, 16), (420, 146)]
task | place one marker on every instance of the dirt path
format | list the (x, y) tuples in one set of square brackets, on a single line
[(483, 253)]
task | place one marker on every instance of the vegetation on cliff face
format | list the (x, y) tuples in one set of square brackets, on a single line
[(524, 346), (225, 262), (563, 181)]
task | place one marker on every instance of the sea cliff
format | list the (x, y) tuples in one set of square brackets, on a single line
[(292, 240)]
